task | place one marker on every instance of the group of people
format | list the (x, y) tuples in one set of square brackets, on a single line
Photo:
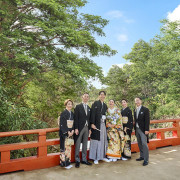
[(109, 129)]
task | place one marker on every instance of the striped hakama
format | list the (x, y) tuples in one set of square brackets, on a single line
[(98, 149)]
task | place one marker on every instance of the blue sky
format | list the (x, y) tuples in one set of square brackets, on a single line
[(130, 20)]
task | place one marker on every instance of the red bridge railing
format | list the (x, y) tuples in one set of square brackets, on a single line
[(45, 160)]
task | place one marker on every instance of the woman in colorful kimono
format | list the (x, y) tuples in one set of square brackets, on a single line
[(66, 131), (127, 128), (114, 132)]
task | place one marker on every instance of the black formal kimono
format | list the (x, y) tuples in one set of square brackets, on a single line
[(129, 125), (98, 143), (96, 114), (65, 150)]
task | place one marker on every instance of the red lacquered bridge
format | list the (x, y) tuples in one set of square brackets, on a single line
[(45, 160)]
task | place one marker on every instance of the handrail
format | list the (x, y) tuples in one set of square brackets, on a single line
[(25, 132), (163, 121), (44, 160)]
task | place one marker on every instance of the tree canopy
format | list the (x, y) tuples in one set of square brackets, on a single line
[(153, 73), (45, 54)]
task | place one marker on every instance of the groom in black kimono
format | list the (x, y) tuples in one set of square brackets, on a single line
[(82, 129), (98, 143)]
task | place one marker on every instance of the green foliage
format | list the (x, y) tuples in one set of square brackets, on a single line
[(153, 73), (169, 110), (14, 117), (45, 53), (47, 98), (38, 36)]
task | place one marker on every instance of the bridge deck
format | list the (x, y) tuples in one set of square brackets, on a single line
[(164, 164)]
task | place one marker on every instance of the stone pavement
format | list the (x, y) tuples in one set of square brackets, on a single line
[(164, 165)]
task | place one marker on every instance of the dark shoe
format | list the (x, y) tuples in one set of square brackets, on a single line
[(87, 163), (140, 159), (77, 165), (61, 164), (145, 163)]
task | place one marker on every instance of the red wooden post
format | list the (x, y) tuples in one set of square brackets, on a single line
[(174, 132), (42, 150), (178, 126), (158, 134), (162, 135), (5, 156)]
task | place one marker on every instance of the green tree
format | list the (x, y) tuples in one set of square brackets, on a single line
[(45, 56), (153, 73), (40, 36)]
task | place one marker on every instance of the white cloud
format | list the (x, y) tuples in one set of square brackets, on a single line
[(122, 64), (115, 14), (175, 15), (129, 21), (122, 37)]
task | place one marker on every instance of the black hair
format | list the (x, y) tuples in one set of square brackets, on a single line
[(102, 92), (112, 100), (139, 98), (124, 100)]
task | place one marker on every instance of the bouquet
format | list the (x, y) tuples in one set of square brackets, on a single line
[(114, 118)]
